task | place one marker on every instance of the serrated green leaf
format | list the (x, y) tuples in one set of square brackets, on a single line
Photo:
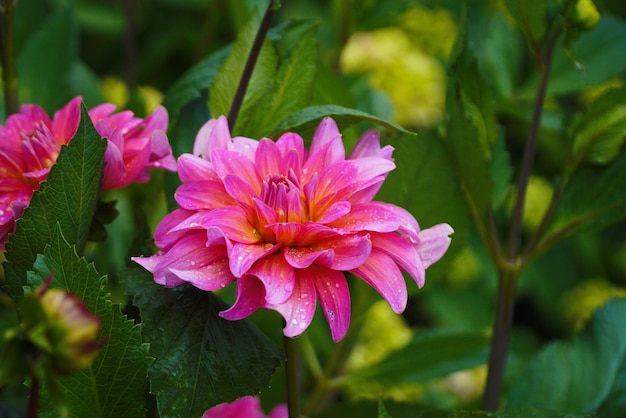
[(222, 91), (193, 82), (599, 134), (293, 88), (577, 375), (518, 413), (305, 121), (531, 17), (43, 80), (202, 359), (115, 384), (68, 198), (428, 355)]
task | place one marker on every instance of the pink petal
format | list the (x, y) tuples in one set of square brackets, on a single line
[(433, 243), (233, 222), (166, 232), (192, 168), (327, 142), (403, 253), (334, 212), (157, 121), (299, 309), (250, 297), (114, 169), (208, 194), (230, 162), (246, 407), (368, 145), (268, 158), (276, 275), (285, 232), (382, 273), (212, 135), (239, 189), (243, 256), (291, 147), (350, 251), (244, 146), (373, 216), (334, 295), (65, 121), (302, 258), (211, 277)]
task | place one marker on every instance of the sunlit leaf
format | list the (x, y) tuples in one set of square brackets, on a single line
[(581, 374), (68, 198)]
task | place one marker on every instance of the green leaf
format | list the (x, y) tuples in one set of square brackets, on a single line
[(193, 82), (598, 64), (501, 172), (518, 413), (429, 354), (470, 129), (293, 88), (382, 411), (222, 91), (531, 17), (68, 198), (594, 198), (578, 375), (44, 80), (305, 121), (202, 359), (600, 132), (424, 183), (115, 384)]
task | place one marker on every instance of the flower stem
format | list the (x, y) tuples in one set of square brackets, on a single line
[(33, 399), (291, 378), (235, 107), (9, 71), (509, 270)]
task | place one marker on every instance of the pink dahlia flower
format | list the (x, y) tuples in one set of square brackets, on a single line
[(286, 223), (246, 407), (30, 143)]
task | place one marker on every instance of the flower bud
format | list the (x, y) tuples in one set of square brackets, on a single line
[(72, 331), (586, 14)]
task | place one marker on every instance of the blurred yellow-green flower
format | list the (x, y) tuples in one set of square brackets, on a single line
[(586, 14), (585, 298)]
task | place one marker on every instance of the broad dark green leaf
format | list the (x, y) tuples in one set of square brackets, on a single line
[(600, 132), (305, 121), (68, 198), (429, 354), (222, 91), (201, 359), (292, 88), (470, 129), (594, 198), (115, 384), (44, 80), (193, 82), (531, 17), (599, 64), (578, 375), (518, 413), (424, 183)]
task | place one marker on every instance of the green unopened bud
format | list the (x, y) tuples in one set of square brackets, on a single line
[(72, 331), (586, 15)]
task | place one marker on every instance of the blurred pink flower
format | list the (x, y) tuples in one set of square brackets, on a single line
[(286, 223), (30, 143), (246, 407)]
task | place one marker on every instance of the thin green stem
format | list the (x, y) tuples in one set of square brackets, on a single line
[(310, 357), (291, 378), (235, 107), (9, 71)]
